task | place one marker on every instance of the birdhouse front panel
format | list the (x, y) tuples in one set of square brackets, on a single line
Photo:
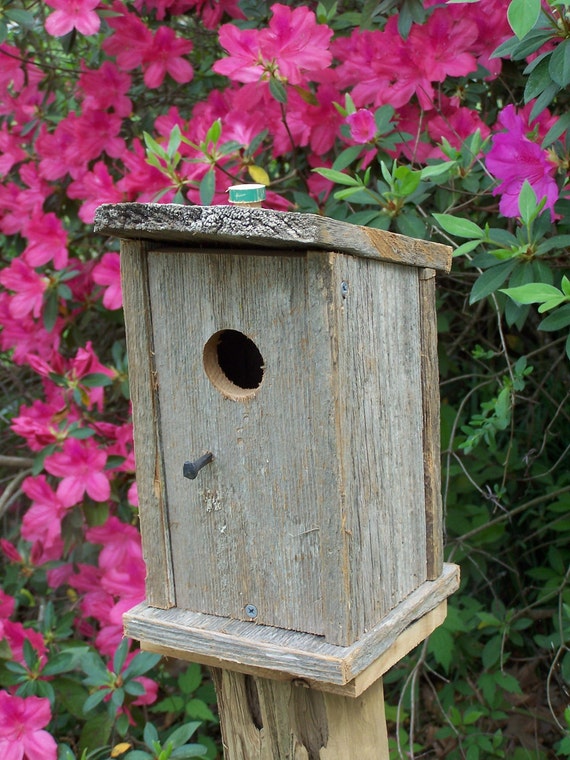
[(301, 374)]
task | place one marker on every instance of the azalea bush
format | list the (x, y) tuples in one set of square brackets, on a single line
[(440, 121)]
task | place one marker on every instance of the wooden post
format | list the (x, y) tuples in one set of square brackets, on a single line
[(265, 719)]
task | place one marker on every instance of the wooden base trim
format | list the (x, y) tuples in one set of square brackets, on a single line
[(272, 652)]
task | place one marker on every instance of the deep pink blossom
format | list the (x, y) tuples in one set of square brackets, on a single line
[(81, 465), (42, 521), (108, 273), (72, 14), (164, 56), (22, 724), (28, 286), (131, 39), (47, 241), (94, 187), (106, 88), (292, 45), (15, 635), (25, 337), (514, 158), (11, 68), (362, 126)]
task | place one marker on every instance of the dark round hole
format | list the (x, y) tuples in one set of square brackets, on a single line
[(240, 360), (233, 363)]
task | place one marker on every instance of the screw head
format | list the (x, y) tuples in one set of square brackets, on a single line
[(344, 289), (251, 610)]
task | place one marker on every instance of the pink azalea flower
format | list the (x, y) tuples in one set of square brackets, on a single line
[(164, 56), (108, 273), (47, 241), (106, 88), (22, 720), (28, 286), (292, 44), (362, 126), (42, 522), (10, 151), (81, 466), (15, 634), (72, 14), (131, 40), (514, 158), (96, 187), (25, 337)]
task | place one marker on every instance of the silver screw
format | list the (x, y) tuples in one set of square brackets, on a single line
[(344, 289), (251, 610)]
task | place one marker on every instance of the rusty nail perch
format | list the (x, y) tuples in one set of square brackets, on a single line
[(191, 469)]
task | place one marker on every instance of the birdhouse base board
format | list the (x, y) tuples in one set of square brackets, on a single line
[(279, 653)]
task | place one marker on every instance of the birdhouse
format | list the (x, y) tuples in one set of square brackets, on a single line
[(283, 375)]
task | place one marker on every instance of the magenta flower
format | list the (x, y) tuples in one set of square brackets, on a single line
[(81, 465), (164, 56), (108, 273), (292, 44), (22, 721), (514, 158), (72, 14), (28, 286), (362, 126)]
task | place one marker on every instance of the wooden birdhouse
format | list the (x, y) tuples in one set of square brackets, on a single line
[(283, 375)]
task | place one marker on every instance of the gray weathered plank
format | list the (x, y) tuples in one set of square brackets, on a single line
[(301, 655), (151, 484), (253, 227), (431, 424)]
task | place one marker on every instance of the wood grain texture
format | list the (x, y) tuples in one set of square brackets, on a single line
[(151, 482), (273, 720), (234, 226), (413, 635), (302, 655), (431, 423), (377, 391), (312, 510)]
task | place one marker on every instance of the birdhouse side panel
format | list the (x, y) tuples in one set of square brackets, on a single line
[(248, 534), (146, 421), (380, 429)]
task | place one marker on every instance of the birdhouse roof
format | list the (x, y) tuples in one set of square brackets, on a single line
[(212, 226)]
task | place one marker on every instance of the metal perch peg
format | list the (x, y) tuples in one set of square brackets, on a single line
[(191, 469)]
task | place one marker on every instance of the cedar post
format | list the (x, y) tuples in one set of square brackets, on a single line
[(283, 373)]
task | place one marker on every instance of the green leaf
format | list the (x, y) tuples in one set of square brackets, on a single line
[(491, 280), (191, 750), (96, 380), (559, 65), (181, 735), (140, 664), (436, 170), (120, 655), (214, 133), (19, 16), (190, 679), (150, 734), (523, 15), (538, 80), (556, 130), (528, 206), (347, 157), (95, 699), (339, 178), (277, 89), (459, 227), (207, 188), (535, 292), (543, 100)]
